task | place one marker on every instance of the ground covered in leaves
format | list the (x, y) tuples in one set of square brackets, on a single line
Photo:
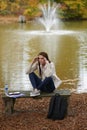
[(8, 19), (30, 114)]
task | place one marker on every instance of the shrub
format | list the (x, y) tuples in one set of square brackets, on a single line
[(5, 12)]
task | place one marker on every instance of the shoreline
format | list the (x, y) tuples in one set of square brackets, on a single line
[(14, 19), (8, 19)]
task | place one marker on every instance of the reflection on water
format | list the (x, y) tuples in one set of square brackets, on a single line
[(83, 63), (67, 50)]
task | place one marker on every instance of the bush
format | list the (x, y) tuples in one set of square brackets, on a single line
[(5, 12), (71, 10), (31, 12)]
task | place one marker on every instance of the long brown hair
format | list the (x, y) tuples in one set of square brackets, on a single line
[(44, 54)]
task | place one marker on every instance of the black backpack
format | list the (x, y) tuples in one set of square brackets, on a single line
[(57, 107)]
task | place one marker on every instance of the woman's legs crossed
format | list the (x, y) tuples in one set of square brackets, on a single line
[(35, 80), (47, 85)]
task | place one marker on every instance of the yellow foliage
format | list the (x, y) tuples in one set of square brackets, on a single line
[(74, 4), (3, 5), (27, 11), (14, 6), (33, 3)]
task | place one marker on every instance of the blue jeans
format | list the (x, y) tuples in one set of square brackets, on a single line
[(47, 85)]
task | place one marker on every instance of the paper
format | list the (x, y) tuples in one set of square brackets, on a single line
[(14, 94)]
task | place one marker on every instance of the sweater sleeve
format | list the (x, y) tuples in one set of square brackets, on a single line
[(32, 68), (50, 69)]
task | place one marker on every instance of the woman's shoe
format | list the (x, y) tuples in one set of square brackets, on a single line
[(35, 93)]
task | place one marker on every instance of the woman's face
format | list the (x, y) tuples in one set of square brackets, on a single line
[(42, 60)]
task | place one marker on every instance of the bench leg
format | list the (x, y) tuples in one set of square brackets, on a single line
[(9, 104)]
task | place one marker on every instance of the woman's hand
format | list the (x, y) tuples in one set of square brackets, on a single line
[(34, 60), (46, 61)]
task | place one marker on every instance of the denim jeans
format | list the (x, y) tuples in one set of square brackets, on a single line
[(47, 85)]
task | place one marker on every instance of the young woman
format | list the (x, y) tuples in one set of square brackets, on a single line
[(47, 81)]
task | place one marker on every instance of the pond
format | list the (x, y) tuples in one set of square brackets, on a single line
[(66, 46)]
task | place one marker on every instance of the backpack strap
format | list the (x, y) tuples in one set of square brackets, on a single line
[(51, 106)]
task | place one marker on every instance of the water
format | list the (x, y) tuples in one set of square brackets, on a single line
[(20, 43)]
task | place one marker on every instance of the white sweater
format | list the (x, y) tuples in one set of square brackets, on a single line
[(46, 71)]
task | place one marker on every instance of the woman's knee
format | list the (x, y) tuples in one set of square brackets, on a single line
[(31, 74), (49, 78)]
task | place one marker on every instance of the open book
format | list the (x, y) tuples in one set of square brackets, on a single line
[(14, 94)]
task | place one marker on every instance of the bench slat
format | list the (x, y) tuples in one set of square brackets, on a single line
[(10, 101), (64, 92)]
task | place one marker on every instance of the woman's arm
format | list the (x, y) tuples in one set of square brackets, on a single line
[(50, 69), (33, 66)]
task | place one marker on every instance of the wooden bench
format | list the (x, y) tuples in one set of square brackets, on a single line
[(10, 101)]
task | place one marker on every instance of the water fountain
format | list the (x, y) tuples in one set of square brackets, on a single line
[(49, 15), (49, 20)]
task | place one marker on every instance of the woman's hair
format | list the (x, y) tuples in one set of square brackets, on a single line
[(44, 54)]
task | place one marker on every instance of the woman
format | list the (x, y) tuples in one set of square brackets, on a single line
[(47, 80)]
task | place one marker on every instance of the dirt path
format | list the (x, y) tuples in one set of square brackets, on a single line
[(8, 19)]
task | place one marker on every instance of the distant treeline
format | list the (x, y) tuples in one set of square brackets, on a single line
[(68, 9)]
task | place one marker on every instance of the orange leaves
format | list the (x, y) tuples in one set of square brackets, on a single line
[(33, 3), (3, 5)]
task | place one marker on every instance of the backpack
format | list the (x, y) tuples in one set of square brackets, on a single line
[(57, 107)]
